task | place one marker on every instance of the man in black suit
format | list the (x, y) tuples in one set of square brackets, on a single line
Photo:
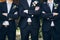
[(8, 16), (51, 20), (29, 11)]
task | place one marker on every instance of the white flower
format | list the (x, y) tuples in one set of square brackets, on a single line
[(35, 3)]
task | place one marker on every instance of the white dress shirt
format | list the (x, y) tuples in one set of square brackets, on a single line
[(6, 23), (51, 6), (9, 5), (29, 2)]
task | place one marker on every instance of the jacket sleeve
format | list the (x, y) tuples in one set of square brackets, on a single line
[(12, 15), (58, 16), (21, 10), (47, 15)]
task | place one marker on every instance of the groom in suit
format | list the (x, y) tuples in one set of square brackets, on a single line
[(51, 20), (8, 15), (29, 12)]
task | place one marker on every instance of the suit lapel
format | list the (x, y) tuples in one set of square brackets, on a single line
[(53, 8), (6, 8), (31, 3), (10, 8), (25, 4), (47, 7)]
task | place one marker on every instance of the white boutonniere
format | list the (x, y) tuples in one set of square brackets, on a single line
[(55, 6), (34, 3), (14, 6)]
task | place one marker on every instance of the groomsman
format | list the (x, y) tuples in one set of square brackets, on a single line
[(29, 11), (51, 20), (8, 16)]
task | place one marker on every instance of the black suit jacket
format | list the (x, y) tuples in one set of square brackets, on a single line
[(10, 14), (48, 16), (23, 5)]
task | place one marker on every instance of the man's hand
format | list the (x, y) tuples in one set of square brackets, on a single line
[(5, 14), (37, 8), (5, 23), (55, 14), (26, 11), (15, 13), (43, 12)]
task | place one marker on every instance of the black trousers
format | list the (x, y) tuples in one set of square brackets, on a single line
[(10, 31), (29, 30), (49, 34)]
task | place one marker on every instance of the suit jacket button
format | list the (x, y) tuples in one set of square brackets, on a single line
[(10, 18), (32, 15), (47, 18)]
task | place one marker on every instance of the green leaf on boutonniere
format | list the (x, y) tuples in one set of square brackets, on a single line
[(55, 6), (34, 3)]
